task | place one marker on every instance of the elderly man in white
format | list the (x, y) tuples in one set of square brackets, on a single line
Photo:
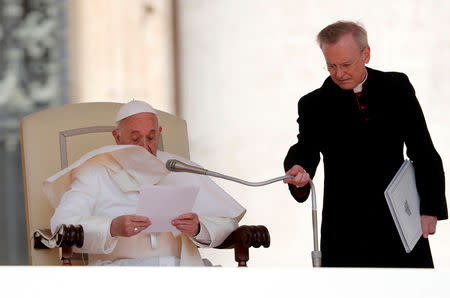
[(101, 190)]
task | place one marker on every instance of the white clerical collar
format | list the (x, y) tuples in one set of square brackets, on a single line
[(359, 88)]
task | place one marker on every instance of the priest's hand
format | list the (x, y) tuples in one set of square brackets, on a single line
[(301, 178), (128, 225), (187, 223), (428, 225)]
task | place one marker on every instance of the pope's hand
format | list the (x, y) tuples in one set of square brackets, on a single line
[(301, 178), (128, 225), (187, 223), (428, 223)]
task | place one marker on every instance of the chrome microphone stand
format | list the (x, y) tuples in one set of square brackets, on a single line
[(178, 166), (315, 254)]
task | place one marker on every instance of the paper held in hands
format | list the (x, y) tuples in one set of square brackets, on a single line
[(162, 204), (404, 203)]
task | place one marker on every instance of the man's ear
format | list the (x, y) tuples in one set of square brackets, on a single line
[(116, 136), (366, 53)]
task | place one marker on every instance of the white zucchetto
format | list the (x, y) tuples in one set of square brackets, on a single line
[(134, 107)]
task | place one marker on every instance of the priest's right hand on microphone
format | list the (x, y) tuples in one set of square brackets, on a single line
[(301, 177)]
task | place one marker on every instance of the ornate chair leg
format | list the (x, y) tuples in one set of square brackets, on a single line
[(67, 254), (241, 255)]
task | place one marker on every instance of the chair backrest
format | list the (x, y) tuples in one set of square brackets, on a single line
[(54, 138)]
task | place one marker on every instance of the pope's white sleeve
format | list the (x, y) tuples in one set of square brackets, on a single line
[(77, 207), (217, 228)]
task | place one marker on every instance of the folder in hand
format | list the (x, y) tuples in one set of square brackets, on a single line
[(404, 203)]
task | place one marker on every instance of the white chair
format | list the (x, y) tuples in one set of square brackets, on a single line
[(52, 139)]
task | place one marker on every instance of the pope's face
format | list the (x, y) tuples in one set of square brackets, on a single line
[(140, 129), (346, 62)]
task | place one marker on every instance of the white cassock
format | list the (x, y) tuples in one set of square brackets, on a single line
[(105, 184)]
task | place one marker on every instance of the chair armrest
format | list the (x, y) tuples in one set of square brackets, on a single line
[(65, 237), (243, 238)]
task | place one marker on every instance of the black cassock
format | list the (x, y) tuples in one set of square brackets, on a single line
[(362, 149)]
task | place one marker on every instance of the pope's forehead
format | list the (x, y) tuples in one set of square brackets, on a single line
[(141, 119)]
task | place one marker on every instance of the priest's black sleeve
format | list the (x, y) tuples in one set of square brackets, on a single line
[(305, 152), (430, 179)]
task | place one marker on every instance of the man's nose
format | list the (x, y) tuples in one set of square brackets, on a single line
[(146, 145), (339, 72)]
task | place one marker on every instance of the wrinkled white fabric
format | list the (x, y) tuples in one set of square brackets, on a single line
[(128, 165), (98, 194)]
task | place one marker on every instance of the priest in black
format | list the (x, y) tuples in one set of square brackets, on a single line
[(360, 120)]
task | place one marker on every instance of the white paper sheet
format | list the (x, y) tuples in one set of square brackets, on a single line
[(162, 204)]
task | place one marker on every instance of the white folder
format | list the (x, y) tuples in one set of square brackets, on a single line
[(404, 203)]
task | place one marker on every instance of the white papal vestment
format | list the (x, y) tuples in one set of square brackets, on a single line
[(105, 184)]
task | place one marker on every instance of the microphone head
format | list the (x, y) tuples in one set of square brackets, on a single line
[(174, 165), (171, 164)]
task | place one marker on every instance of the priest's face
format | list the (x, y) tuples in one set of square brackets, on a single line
[(140, 129), (346, 61)]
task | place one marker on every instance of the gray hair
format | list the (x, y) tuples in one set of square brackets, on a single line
[(332, 33)]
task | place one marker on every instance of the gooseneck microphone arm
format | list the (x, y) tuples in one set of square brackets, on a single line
[(174, 165), (178, 166)]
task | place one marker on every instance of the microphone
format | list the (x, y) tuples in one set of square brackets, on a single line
[(174, 165)]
